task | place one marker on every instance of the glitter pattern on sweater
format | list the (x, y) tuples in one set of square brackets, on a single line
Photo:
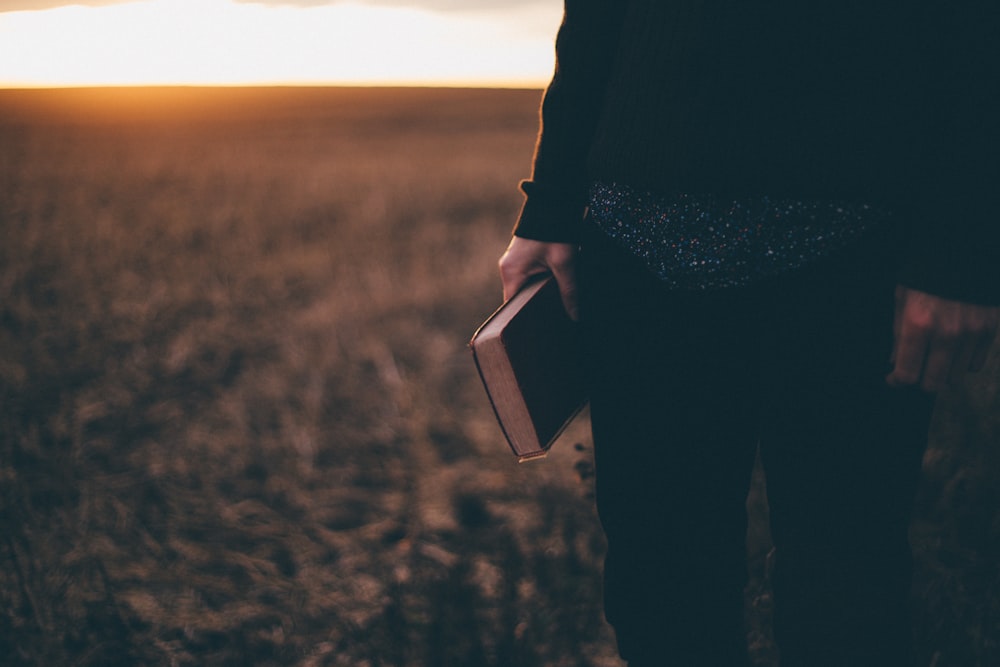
[(703, 243)]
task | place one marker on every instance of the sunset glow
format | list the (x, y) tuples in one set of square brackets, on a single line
[(224, 42)]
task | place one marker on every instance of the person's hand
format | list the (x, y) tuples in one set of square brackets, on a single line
[(526, 258), (937, 340)]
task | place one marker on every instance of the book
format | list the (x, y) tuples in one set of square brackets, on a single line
[(528, 357)]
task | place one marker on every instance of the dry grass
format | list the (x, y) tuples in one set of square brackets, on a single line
[(239, 424)]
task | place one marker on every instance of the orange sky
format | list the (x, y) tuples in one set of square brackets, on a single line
[(210, 42)]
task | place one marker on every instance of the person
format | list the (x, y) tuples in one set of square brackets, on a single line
[(776, 223)]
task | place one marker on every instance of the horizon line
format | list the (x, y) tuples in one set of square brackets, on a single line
[(510, 85)]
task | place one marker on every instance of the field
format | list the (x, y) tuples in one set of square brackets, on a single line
[(239, 424)]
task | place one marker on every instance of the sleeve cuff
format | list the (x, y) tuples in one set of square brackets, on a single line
[(555, 217)]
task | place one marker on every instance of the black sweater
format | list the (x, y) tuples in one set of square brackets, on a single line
[(889, 102)]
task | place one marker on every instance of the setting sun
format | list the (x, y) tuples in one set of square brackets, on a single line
[(228, 42)]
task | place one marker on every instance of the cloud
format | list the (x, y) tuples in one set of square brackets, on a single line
[(30, 5), (434, 5)]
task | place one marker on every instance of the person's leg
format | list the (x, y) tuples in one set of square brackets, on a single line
[(673, 414), (842, 453)]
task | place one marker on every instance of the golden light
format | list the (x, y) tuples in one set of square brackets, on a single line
[(224, 42)]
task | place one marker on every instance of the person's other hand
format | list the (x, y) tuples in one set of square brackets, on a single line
[(937, 340), (526, 258)]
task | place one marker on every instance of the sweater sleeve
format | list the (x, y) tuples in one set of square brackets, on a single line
[(954, 226), (555, 195)]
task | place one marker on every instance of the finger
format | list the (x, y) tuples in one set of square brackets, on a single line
[(979, 333), (513, 282), (570, 301), (973, 349), (911, 350), (565, 275), (897, 321), (515, 274)]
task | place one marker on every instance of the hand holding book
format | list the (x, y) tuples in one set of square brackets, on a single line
[(527, 259)]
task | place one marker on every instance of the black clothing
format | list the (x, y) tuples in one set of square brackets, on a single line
[(684, 386), (893, 103)]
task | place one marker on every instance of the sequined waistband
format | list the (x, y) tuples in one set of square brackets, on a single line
[(707, 242)]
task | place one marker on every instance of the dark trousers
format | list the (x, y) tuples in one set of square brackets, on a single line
[(685, 388)]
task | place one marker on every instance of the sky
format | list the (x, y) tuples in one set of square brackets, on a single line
[(47, 43)]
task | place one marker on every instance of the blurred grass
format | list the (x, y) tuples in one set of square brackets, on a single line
[(239, 425)]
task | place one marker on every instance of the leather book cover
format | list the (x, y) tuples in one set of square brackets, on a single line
[(528, 356)]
